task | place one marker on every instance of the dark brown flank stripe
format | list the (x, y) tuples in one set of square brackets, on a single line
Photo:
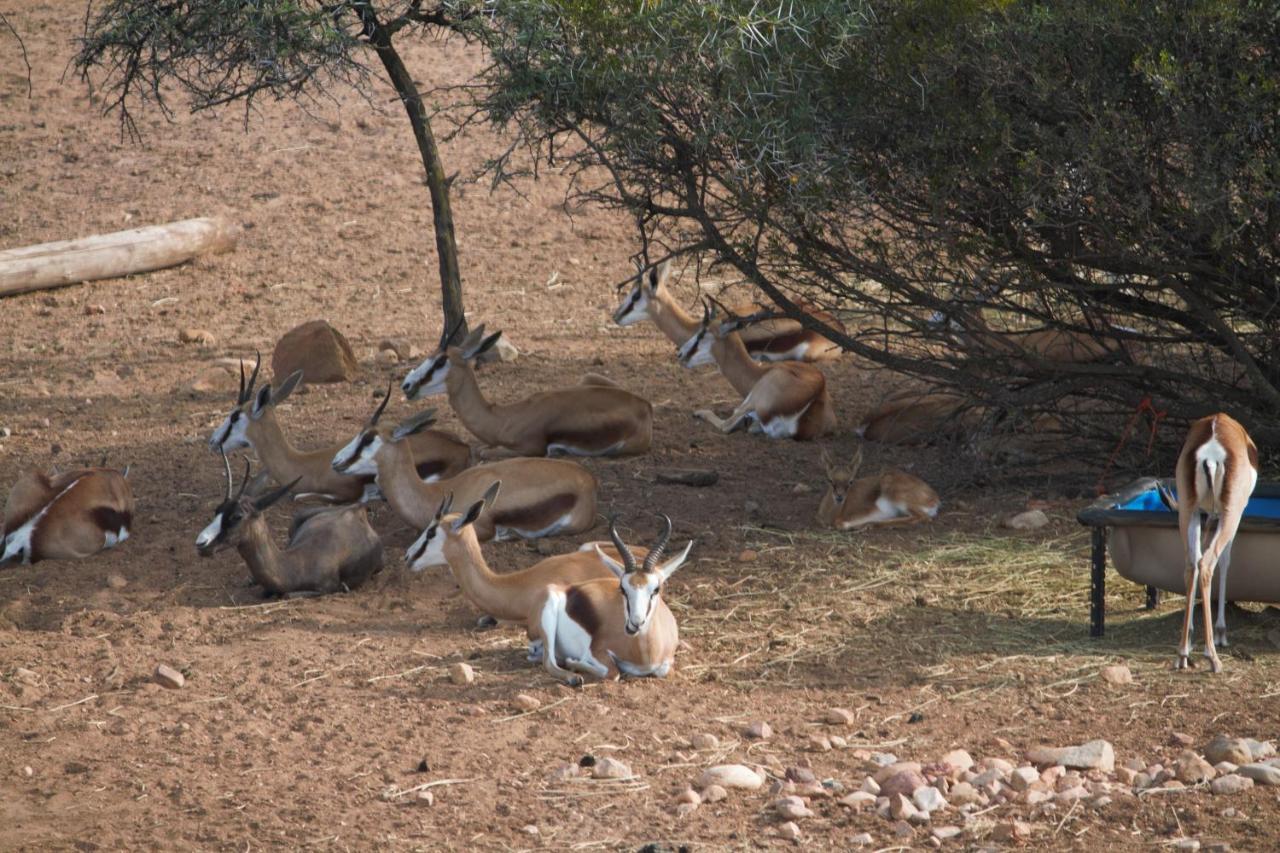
[(110, 519), (780, 343), (430, 468), (602, 437), (581, 610), (536, 516)]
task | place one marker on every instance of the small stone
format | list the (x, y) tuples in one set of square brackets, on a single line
[(858, 800), (838, 742), (1101, 802), (1013, 831), (1126, 775), (1070, 795), (610, 768), (871, 786), (1142, 781), (524, 702), (1260, 750), (758, 730), (26, 676), (203, 337), (800, 774), (862, 839), (402, 350), (28, 772), (1223, 748), (530, 829), (946, 833), (928, 799), (1225, 768), (1186, 844), (1191, 769), (1097, 754), (1263, 774), (90, 310), (1117, 674), (1022, 778), (748, 556), (819, 743), (1232, 783), (167, 676), (1181, 739), (902, 829), (685, 809), (688, 795), (792, 808), (697, 478), (1218, 847), (1032, 519), (801, 489), (789, 831), (564, 772), (904, 782), (424, 766), (839, 717), (425, 798), (462, 673), (730, 776), (900, 808), (704, 741), (115, 580), (959, 761), (714, 794)]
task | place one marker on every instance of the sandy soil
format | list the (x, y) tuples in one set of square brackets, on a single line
[(300, 720)]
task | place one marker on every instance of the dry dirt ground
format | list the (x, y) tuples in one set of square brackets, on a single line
[(301, 719)]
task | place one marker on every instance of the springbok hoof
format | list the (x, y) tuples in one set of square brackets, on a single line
[(574, 681), (1181, 662), (1215, 665)]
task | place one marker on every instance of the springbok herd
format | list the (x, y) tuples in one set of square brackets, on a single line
[(578, 624)]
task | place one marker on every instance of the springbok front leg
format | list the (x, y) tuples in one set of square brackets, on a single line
[(737, 420), (1191, 535)]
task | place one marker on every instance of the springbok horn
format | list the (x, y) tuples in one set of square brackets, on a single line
[(240, 397), (377, 413), (226, 463), (628, 559), (655, 553), (253, 378), (245, 484), (444, 506), (446, 335)]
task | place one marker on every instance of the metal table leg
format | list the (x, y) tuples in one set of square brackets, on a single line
[(1153, 597), (1098, 586)]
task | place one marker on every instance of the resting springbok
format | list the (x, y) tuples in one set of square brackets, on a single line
[(916, 417), (331, 549), (543, 497), (774, 339), (253, 423), (591, 629), (1217, 471), (595, 418), (1064, 346), (451, 540), (784, 400), (889, 498), (67, 516)]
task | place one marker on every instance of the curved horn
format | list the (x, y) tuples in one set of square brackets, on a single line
[(253, 378), (655, 553), (226, 463), (245, 484), (628, 559), (444, 506), (240, 397), (377, 413), (446, 334), (706, 311)]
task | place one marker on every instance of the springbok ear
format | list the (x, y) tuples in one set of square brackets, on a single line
[(294, 379), (613, 565), (855, 463), (268, 499), (658, 275), (470, 516), (491, 493), (826, 459), (261, 402), (668, 568), (415, 424), (485, 346)]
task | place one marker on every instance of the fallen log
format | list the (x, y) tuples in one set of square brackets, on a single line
[(112, 255)]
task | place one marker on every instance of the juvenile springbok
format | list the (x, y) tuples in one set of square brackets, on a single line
[(775, 339), (542, 497), (67, 516), (589, 628), (595, 418), (451, 540), (784, 400), (1217, 471), (889, 498), (253, 423), (331, 549)]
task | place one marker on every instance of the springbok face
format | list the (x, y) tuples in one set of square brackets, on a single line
[(235, 509), (840, 478), (359, 456), (635, 307), (428, 549), (231, 433), (428, 378), (641, 587)]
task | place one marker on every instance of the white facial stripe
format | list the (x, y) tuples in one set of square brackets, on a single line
[(210, 533), (697, 350), (231, 433), (634, 308), (427, 550), (427, 378)]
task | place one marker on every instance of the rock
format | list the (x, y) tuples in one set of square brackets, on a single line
[(317, 349), (402, 350), (1263, 774), (1260, 750), (801, 489), (862, 839), (959, 761), (610, 768), (1225, 768), (792, 808), (1096, 754), (1142, 781), (1032, 519), (462, 673), (503, 350), (888, 770), (203, 337), (1005, 767), (838, 742), (1022, 778), (714, 794), (28, 771), (1100, 802), (218, 379), (698, 478), (1232, 783), (704, 741), (91, 309), (903, 830), (1183, 740), (758, 730), (115, 580), (800, 774), (789, 831), (1125, 775), (900, 808), (524, 702), (1117, 674), (564, 772), (1191, 769), (871, 786), (1070, 795), (858, 800), (1014, 831), (839, 717), (946, 833), (748, 556), (167, 676), (928, 799), (819, 743), (688, 795), (730, 776), (530, 829), (904, 782), (988, 777), (1186, 844), (963, 794), (685, 809), (1223, 748), (425, 798)]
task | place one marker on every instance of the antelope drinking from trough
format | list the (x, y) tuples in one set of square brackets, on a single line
[(889, 498), (784, 400), (67, 516), (775, 339), (1217, 471), (330, 549), (253, 423), (542, 497), (595, 418)]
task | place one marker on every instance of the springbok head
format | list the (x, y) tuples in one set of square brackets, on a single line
[(428, 378), (232, 433), (359, 457), (236, 508), (428, 549), (644, 291), (642, 586), (840, 478)]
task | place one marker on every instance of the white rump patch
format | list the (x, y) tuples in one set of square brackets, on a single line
[(784, 426)]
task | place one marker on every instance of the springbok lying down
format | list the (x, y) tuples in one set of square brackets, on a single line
[(67, 516)]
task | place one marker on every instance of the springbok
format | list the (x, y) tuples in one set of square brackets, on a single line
[(889, 498), (1217, 471), (916, 417), (451, 540), (542, 497), (331, 549), (592, 629), (784, 400), (253, 423), (774, 339), (1063, 346), (595, 418), (67, 516)]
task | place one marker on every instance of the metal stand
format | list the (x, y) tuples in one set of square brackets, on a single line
[(1098, 586), (1153, 597)]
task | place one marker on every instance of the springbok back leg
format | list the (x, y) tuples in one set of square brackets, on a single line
[(1190, 580), (1224, 565)]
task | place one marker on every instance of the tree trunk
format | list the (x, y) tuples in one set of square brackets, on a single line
[(441, 211)]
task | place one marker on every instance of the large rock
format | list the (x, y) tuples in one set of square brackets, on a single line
[(1223, 748), (1192, 769), (1094, 755), (730, 776), (1263, 774), (1232, 783), (904, 782), (317, 349)]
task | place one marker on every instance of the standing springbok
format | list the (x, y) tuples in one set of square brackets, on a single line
[(595, 418), (589, 628), (889, 498), (253, 423), (542, 497), (67, 516), (775, 339), (327, 551), (1217, 471), (784, 400)]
